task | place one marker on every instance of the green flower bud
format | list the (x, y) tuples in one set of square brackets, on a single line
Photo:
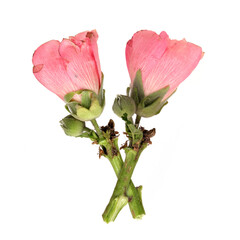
[(124, 104), (72, 126)]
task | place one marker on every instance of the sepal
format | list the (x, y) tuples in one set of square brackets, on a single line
[(128, 91), (152, 104), (93, 112), (87, 108), (101, 94), (137, 92), (69, 96)]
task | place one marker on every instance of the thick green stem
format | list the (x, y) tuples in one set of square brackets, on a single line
[(117, 202), (133, 194)]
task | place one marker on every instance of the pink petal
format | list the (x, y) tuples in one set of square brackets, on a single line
[(84, 35), (144, 51), (91, 38), (94, 37), (176, 64), (80, 36), (50, 69), (46, 51), (81, 66)]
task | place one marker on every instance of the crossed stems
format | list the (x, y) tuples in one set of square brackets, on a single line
[(125, 191)]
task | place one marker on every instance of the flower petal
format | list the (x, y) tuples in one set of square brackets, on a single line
[(91, 38), (144, 51), (50, 69), (176, 64), (81, 64), (94, 37)]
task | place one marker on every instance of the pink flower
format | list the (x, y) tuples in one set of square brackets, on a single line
[(162, 61), (70, 65)]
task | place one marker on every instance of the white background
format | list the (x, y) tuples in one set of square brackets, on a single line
[(55, 187)]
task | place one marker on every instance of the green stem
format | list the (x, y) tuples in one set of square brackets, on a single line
[(137, 121), (134, 194), (98, 130), (119, 196), (86, 129)]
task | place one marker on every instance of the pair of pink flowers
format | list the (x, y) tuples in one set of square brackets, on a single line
[(73, 64)]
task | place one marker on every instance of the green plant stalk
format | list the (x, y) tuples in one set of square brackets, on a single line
[(134, 198), (119, 196), (133, 193), (98, 130), (137, 121)]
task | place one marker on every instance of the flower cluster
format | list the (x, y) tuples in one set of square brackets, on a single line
[(156, 65)]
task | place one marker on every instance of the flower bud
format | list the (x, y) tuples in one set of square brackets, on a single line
[(70, 65), (124, 105), (72, 126), (162, 61)]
